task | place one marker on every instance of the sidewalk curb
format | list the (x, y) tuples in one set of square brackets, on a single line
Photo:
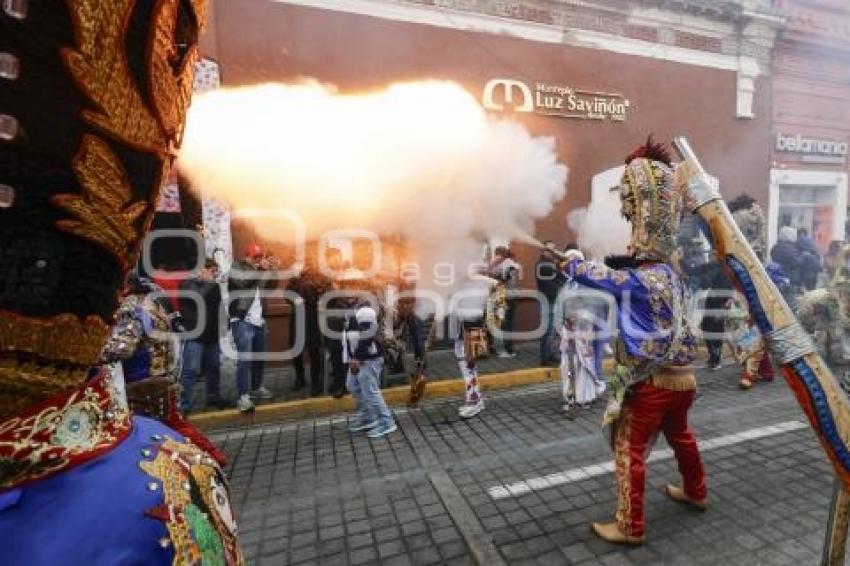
[(394, 396)]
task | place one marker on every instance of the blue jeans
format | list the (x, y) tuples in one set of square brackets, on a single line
[(250, 339), (366, 390), (197, 357), (547, 347)]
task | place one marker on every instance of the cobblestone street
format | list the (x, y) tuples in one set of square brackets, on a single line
[(520, 483)]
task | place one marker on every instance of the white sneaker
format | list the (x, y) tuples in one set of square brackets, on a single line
[(504, 355), (360, 426), (469, 411), (245, 404), (261, 393), (382, 430)]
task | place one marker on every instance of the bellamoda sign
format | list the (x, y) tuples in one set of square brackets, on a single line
[(553, 100)]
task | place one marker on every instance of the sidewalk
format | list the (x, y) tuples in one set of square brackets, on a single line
[(442, 365)]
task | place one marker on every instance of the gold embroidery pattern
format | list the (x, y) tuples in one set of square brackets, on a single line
[(196, 508), (25, 383), (52, 437), (65, 337), (622, 461), (171, 89), (100, 68), (105, 214)]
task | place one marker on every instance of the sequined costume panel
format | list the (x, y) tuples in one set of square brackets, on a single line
[(139, 340), (70, 514), (650, 312)]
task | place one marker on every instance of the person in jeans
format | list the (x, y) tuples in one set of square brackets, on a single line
[(364, 355), (247, 307), (550, 280), (202, 354)]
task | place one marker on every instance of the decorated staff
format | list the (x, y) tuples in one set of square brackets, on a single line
[(93, 96), (816, 389)]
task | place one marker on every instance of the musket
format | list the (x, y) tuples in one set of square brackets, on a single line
[(817, 391)]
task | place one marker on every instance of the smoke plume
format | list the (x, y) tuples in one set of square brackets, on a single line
[(601, 229), (418, 160)]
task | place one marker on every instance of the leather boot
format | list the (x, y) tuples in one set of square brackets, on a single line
[(678, 494), (746, 381), (610, 532)]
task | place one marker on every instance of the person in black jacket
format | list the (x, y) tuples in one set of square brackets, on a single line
[(718, 289), (810, 259), (309, 286), (785, 253), (550, 280), (247, 284), (200, 307)]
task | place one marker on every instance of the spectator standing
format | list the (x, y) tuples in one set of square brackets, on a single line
[(309, 285), (786, 254), (718, 291), (247, 310), (810, 260), (200, 306), (549, 282)]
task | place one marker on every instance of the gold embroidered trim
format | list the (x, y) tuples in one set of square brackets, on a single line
[(67, 430), (171, 89), (65, 338), (104, 211), (674, 379), (622, 462), (100, 68), (185, 472), (24, 383)]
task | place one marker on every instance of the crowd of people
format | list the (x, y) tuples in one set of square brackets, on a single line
[(575, 332)]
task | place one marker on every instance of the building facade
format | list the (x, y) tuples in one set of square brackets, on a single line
[(662, 68), (811, 120)]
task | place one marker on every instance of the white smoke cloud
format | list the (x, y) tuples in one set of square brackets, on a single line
[(600, 228), (420, 160)]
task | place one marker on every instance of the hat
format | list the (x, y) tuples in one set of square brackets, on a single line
[(652, 201), (93, 97), (254, 250)]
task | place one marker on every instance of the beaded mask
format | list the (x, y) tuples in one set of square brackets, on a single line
[(651, 202)]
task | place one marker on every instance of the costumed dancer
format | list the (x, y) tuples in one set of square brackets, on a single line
[(825, 312), (817, 391), (470, 343), (144, 341), (654, 385), (749, 345), (93, 97), (581, 383)]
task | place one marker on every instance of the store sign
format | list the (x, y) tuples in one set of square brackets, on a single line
[(810, 146), (509, 95)]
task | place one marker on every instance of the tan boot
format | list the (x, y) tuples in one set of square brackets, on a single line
[(746, 381), (611, 532), (678, 494)]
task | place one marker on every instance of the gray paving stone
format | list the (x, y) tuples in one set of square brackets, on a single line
[(379, 495)]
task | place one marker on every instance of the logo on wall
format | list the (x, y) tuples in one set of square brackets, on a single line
[(796, 143), (509, 95)]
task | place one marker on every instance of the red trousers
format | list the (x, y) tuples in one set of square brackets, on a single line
[(646, 411)]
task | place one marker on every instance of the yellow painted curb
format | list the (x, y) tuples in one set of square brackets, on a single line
[(394, 396)]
